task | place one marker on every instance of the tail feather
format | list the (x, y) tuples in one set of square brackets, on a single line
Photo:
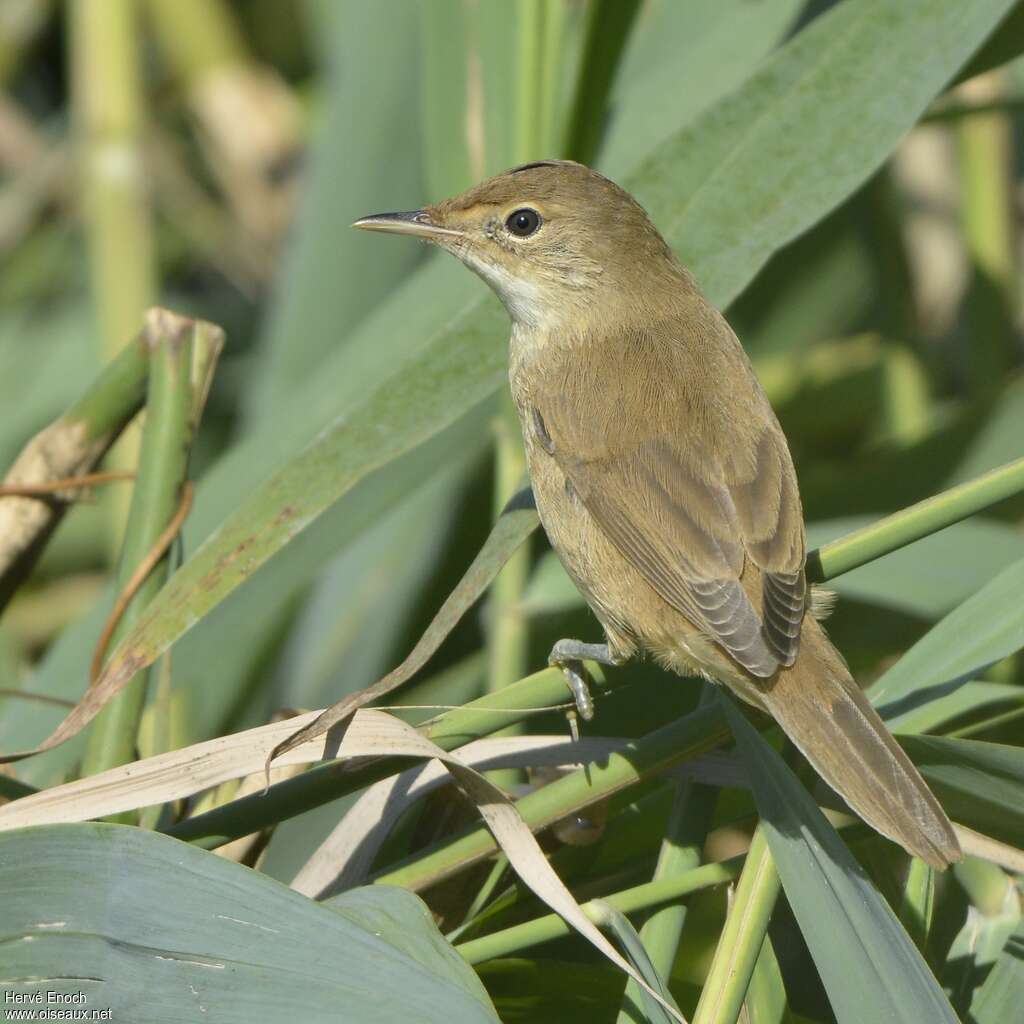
[(823, 711)]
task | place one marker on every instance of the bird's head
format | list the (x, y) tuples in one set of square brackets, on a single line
[(554, 239)]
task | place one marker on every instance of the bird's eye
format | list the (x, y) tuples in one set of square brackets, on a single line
[(523, 223)]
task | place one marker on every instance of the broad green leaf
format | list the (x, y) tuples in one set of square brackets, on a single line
[(327, 284), (985, 628), (467, 99), (999, 440), (804, 132), (44, 357), (979, 784), (709, 47), (931, 576), (157, 930), (1005, 43), (868, 965)]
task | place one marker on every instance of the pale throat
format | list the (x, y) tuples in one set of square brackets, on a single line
[(533, 305)]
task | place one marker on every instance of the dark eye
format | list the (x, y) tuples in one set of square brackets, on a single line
[(523, 222)]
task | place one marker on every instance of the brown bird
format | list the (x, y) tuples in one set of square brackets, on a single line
[(661, 474)]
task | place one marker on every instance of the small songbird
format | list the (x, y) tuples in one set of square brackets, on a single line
[(661, 474)]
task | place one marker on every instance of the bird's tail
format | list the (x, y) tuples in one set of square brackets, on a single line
[(823, 711)]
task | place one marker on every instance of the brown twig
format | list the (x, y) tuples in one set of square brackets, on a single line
[(69, 483), (145, 567)]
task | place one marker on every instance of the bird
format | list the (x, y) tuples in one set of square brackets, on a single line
[(661, 474)]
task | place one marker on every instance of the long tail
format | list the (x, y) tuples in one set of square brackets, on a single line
[(822, 710)]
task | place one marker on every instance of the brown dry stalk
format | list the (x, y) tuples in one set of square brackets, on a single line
[(144, 568), (69, 483)]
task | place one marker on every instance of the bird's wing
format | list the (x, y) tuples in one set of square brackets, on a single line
[(690, 477)]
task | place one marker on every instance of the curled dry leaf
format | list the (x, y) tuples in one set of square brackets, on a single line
[(344, 858)]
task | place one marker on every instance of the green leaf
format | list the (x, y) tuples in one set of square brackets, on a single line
[(155, 930), (1001, 995), (982, 630), (44, 358), (679, 60), (629, 941), (868, 965), (931, 576), (803, 133), (979, 784), (1004, 44), (328, 285)]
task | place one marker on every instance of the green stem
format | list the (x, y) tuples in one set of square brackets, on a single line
[(553, 62), (628, 901), (508, 634), (155, 499), (681, 740), (107, 81), (725, 987), (918, 904), (530, 80), (766, 1001), (608, 26), (108, 108), (917, 521)]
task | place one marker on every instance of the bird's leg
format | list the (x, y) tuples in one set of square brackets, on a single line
[(568, 655)]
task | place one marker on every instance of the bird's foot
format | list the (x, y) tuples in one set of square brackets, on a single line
[(568, 655)]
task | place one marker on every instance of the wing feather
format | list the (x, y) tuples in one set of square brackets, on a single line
[(684, 493)]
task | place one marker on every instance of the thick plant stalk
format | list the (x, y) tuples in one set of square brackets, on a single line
[(745, 928), (171, 417), (107, 94), (508, 636), (70, 447), (917, 907)]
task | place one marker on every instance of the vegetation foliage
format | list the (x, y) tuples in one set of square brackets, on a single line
[(843, 178)]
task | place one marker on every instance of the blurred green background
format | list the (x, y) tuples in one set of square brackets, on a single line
[(210, 155)]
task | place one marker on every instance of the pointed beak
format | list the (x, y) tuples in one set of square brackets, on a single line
[(413, 222)]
